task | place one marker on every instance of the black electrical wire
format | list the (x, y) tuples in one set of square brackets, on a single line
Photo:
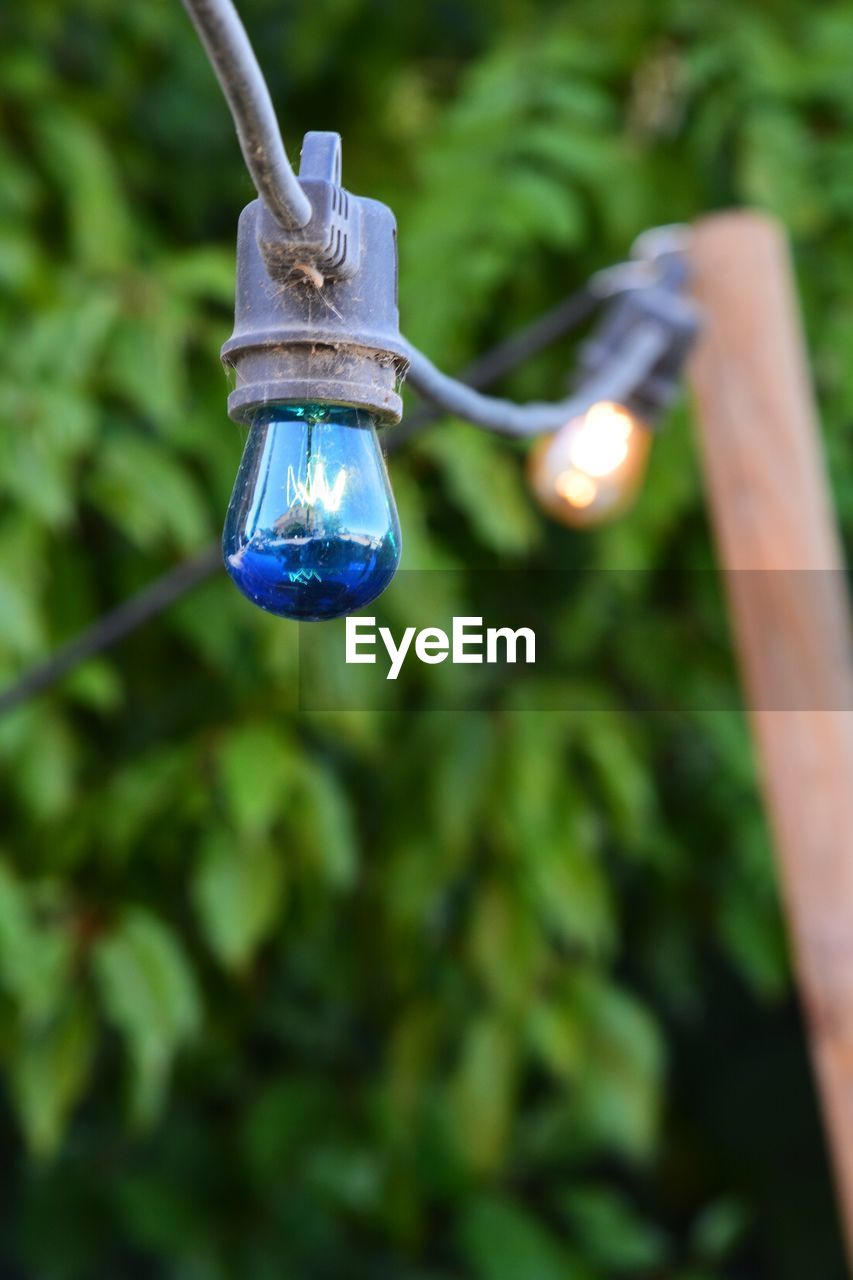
[(231, 55), (626, 369), (171, 586), (241, 80), (114, 626), (508, 354)]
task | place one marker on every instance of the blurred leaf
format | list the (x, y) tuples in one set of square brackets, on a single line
[(160, 1212), (322, 817), (503, 1242), (617, 1089), (95, 685), (34, 956), (147, 355), (556, 1036), (148, 495), (84, 169), (481, 1093), (605, 740), (412, 1047), (351, 1179), (485, 481), (149, 992), (717, 1230), (613, 1235), (280, 1123), (238, 891), (254, 765), (504, 944), (460, 777), (750, 924), (20, 625), (570, 891), (204, 272), (50, 1070), (46, 766), (777, 168)]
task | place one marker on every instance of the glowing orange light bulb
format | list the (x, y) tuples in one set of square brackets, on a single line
[(590, 469)]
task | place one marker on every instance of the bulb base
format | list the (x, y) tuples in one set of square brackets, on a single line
[(315, 374)]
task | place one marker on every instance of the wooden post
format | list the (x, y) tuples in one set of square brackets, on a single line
[(778, 545)]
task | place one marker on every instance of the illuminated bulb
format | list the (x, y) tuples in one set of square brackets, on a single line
[(590, 469), (312, 529)]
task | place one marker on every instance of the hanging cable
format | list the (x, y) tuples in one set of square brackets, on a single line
[(508, 354), (172, 586), (636, 356), (317, 372), (241, 80), (625, 368), (114, 626), (624, 372)]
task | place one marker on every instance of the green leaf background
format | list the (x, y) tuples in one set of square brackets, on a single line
[(430, 995)]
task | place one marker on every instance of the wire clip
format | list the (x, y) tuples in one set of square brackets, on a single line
[(650, 290), (330, 243)]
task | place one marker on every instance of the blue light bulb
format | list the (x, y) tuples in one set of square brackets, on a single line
[(312, 529)]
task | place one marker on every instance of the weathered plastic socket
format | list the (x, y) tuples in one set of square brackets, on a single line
[(662, 300), (316, 317)]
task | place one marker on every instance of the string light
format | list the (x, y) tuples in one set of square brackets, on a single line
[(316, 325), (312, 530), (590, 469)]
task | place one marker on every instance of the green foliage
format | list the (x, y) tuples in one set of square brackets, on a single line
[(149, 993), (49, 1072), (238, 894), (34, 954), (503, 1242), (402, 993)]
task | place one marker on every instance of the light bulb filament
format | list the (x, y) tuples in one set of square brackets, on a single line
[(315, 489), (590, 468), (601, 442)]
